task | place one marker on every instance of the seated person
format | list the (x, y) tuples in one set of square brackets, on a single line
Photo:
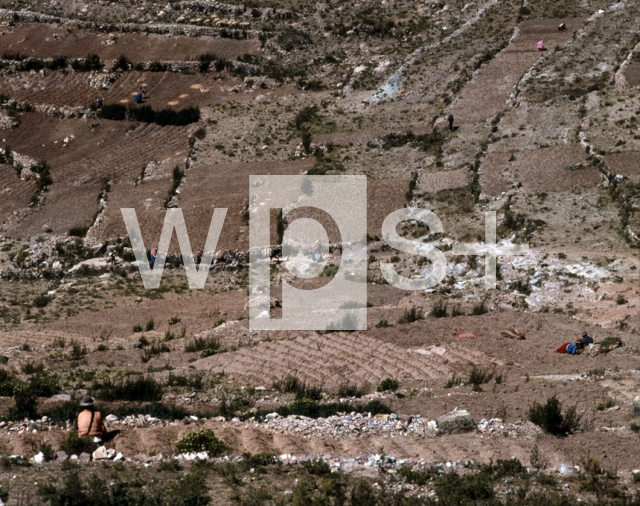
[(586, 338), (89, 420)]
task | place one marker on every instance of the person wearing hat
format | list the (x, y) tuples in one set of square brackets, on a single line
[(89, 420), (586, 338)]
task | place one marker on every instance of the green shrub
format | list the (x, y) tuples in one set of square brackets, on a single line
[(480, 308), (317, 467), (157, 347), (137, 328), (410, 316), (453, 488), (138, 388), (195, 381), (26, 403), (352, 389), (291, 384), (122, 63), (202, 441), (78, 351), (91, 62), (116, 112), (478, 376), (388, 384), (197, 344), (75, 445), (439, 309), (550, 417), (150, 325), (418, 477), (32, 368)]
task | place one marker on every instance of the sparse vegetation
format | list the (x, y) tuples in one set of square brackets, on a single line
[(550, 417)]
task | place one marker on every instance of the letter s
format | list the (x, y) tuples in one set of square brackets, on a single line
[(392, 238)]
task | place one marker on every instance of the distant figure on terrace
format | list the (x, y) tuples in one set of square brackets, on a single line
[(198, 257), (450, 120), (100, 102), (316, 254), (562, 27), (89, 420), (586, 338), (154, 253), (138, 98), (541, 46)]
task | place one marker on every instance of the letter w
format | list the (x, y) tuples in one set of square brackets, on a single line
[(151, 276)]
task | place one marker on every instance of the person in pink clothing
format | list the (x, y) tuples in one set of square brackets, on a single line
[(541, 46)]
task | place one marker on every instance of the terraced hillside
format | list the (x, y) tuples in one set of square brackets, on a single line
[(453, 394)]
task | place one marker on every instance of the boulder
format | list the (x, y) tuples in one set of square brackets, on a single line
[(61, 397), (102, 453), (458, 420), (636, 406), (84, 457), (60, 456)]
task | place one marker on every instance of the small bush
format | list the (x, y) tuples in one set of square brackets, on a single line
[(417, 477), (609, 403), (116, 112), (478, 376), (480, 308), (91, 62), (349, 389), (203, 343), (26, 403), (31, 368), (195, 381), (439, 310), (291, 384), (122, 63), (41, 300), (47, 451), (75, 445), (78, 351), (136, 388), (382, 324), (157, 347), (150, 325), (388, 384), (550, 417), (410, 316), (453, 381), (317, 467), (137, 328), (202, 441)]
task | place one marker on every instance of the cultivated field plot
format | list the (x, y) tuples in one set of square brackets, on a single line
[(14, 193), (45, 41), (549, 169), (102, 151), (626, 164), (490, 89), (363, 137), (220, 186), (333, 358), (162, 89), (433, 182)]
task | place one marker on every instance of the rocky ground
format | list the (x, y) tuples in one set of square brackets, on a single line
[(453, 394)]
